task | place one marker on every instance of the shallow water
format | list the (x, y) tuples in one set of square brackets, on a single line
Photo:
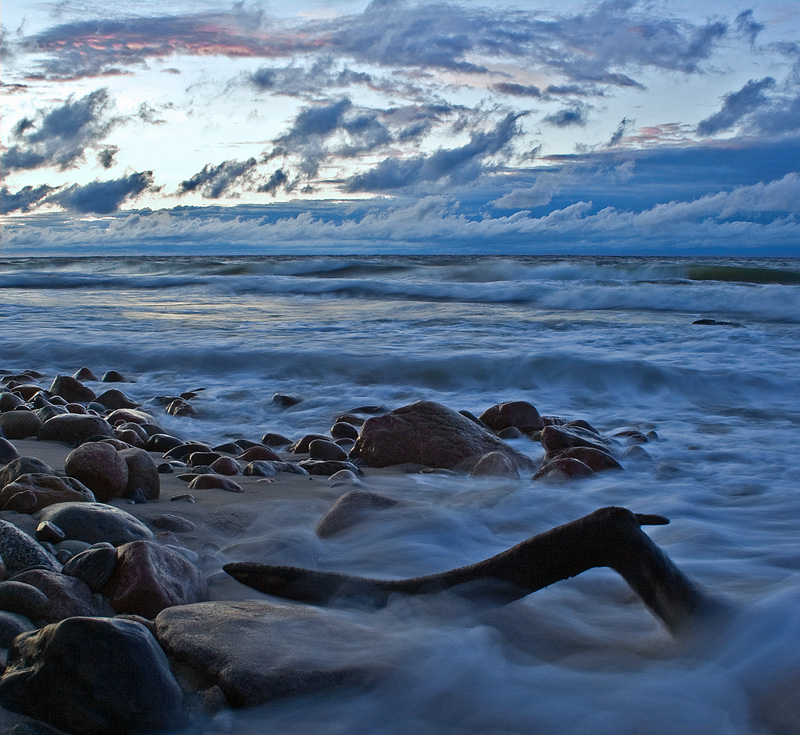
[(607, 340)]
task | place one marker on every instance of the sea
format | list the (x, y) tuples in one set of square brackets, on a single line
[(613, 341)]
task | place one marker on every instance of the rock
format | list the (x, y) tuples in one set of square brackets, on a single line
[(327, 467), (19, 551), (48, 412), (84, 374), (215, 482), (716, 323), (637, 453), (114, 399), (225, 466), (429, 434), (26, 390), (519, 414), (557, 438), (512, 432), (66, 596), (71, 390), (23, 466), (142, 474), (202, 459), (101, 468), (21, 598), (47, 532), (32, 492), (344, 477), (352, 508), (260, 469), (275, 440), (19, 424), (595, 459), (327, 450), (301, 445), (169, 522), (227, 448), (182, 451), (12, 625), (8, 452), (257, 651), (563, 468), (9, 401), (93, 566), (149, 577), (94, 522), (56, 675), (179, 407), (344, 430), (284, 401), (112, 376), (258, 453), (74, 429), (495, 464), (126, 415), (162, 443)]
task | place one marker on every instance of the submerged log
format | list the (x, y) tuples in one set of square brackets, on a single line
[(609, 537)]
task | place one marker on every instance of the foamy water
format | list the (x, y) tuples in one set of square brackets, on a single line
[(607, 340)]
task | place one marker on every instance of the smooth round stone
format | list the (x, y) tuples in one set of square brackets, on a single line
[(170, 522), (20, 424), (225, 466), (12, 625), (49, 532), (73, 428), (215, 482), (112, 376), (23, 466), (71, 390), (94, 522), (271, 439), (23, 599), (258, 453), (162, 443), (100, 467), (8, 451), (344, 430), (84, 373), (326, 450)]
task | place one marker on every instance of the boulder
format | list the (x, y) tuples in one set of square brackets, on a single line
[(23, 466), (100, 467), (114, 399), (66, 596), (112, 376), (125, 415), (429, 434), (215, 482), (301, 445), (32, 492), (271, 439), (283, 401), (9, 401), (56, 675), (20, 424), (149, 577), (352, 508), (258, 453), (74, 429), (71, 390), (344, 430), (19, 551), (256, 651), (596, 459), (226, 466), (162, 443), (518, 414), (495, 464), (557, 438), (21, 598), (327, 467), (327, 450), (143, 475), (8, 452), (95, 522), (564, 468), (93, 566), (84, 373)]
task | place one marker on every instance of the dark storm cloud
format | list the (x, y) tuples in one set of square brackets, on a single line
[(277, 180), (60, 135), (102, 197), (457, 164), (567, 117), (737, 105), (215, 181), (25, 199)]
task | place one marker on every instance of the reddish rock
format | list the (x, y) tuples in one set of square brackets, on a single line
[(495, 464), (258, 452), (518, 414), (32, 492), (215, 482), (71, 390), (430, 434), (143, 477), (225, 466), (100, 467), (74, 429), (149, 577), (129, 438)]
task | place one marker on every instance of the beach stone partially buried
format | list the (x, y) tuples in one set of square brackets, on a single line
[(257, 651), (56, 675), (74, 429), (100, 467), (215, 482), (143, 474), (114, 399), (429, 434), (564, 468), (20, 551), (95, 522), (21, 598), (149, 577), (20, 424), (32, 492)]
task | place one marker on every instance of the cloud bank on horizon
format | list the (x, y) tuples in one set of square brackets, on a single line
[(396, 125)]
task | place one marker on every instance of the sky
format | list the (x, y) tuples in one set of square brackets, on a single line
[(308, 126)]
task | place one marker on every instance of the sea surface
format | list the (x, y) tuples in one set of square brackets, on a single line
[(608, 340)]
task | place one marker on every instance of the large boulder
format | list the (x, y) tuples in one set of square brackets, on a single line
[(95, 522), (19, 551), (100, 467), (430, 434), (57, 675), (71, 390), (32, 492), (149, 577), (518, 414), (257, 651), (23, 466), (74, 429), (143, 478)]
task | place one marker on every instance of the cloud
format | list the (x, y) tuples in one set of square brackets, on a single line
[(456, 164), (517, 90), (59, 135), (102, 197), (106, 157), (278, 179), (747, 27), (736, 105), (215, 181), (568, 116), (25, 199)]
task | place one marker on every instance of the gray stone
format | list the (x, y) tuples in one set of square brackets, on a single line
[(11, 625), (557, 438), (56, 675), (326, 450), (71, 390), (114, 399), (495, 464), (32, 492), (23, 466), (74, 429), (19, 551), (20, 424), (327, 467), (66, 596), (352, 508), (23, 599), (95, 522), (93, 566)]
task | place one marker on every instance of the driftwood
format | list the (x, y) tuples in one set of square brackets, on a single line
[(609, 537)]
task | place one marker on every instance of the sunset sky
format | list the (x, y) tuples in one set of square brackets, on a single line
[(199, 126)]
